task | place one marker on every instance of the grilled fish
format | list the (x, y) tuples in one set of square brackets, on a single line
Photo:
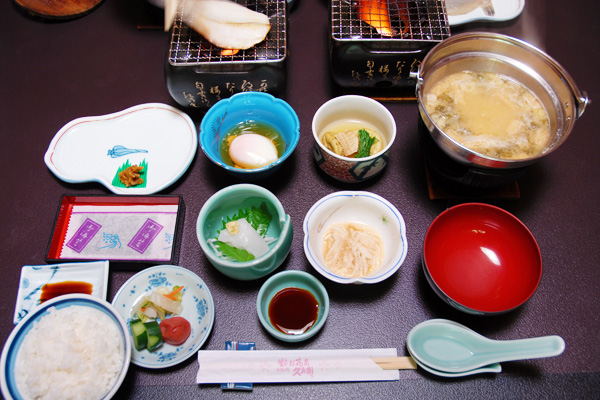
[(224, 23)]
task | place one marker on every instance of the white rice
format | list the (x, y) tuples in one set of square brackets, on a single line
[(72, 353)]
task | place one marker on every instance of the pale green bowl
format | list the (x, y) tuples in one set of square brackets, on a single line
[(295, 279), (227, 202)]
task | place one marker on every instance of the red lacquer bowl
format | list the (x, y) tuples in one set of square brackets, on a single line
[(481, 259)]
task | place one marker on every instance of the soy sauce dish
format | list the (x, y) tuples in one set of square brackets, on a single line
[(292, 306)]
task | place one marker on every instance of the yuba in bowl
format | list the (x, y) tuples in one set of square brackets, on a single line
[(352, 113), (74, 346), (481, 259), (354, 213)]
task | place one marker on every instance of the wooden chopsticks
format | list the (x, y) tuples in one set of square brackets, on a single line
[(388, 363)]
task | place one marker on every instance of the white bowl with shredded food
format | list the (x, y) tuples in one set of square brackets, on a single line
[(71, 347), (355, 237)]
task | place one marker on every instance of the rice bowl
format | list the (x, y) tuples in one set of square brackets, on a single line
[(86, 356)]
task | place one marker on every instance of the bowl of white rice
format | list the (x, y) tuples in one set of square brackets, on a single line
[(71, 347)]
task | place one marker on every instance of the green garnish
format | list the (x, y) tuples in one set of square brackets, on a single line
[(233, 252), (259, 218), (365, 142)]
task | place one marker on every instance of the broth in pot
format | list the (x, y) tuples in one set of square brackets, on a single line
[(489, 113), (522, 99)]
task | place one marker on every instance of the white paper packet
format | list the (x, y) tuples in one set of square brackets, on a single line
[(120, 232), (281, 366)]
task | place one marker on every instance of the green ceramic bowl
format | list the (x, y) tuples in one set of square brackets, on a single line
[(227, 202), (294, 279)]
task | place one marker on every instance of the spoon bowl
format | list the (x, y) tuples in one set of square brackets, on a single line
[(448, 346), (493, 368)]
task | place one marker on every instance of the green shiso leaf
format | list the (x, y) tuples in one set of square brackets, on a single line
[(365, 142), (233, 252), (259, 218)]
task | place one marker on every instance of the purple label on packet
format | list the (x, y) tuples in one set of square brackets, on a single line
[(84, 235), (145, 235)]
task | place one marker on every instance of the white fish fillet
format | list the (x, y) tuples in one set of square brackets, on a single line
[(224, 23), (244, 236)]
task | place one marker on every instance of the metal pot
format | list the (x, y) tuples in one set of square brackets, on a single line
[(508, 56)]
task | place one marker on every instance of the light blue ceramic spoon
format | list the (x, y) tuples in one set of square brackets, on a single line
[(448, 346), (493, 368)]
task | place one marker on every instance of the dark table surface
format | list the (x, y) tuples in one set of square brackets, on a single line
[(54, 72)]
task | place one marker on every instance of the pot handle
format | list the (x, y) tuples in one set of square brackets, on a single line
[(581, 98), (582, 102), (415, 75)]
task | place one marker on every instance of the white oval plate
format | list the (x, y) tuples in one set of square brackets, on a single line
[(505, 10), (198, 309), (33, 277), (92, 149)]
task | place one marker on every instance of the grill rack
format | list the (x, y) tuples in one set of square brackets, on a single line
[(410, 20), (189, 48)]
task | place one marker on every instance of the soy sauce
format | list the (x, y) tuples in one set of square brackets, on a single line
[(52, 290), (293, 310)]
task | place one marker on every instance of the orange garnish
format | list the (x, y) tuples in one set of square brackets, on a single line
[(173, 293), (229, 52)]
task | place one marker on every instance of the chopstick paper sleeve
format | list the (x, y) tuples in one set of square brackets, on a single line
[(281, 366)]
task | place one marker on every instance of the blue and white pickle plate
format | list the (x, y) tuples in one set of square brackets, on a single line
[(33, 277), (198, 309), (156, 136)]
